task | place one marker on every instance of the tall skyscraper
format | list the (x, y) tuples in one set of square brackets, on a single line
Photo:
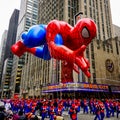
[(27, 18), (12, 32), (2, 53), (6, 78), (8, 56)]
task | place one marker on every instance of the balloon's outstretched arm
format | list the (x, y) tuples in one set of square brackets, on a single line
[(81, 61), (63, 53)]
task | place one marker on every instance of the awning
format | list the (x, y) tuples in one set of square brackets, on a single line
[(76, 87)]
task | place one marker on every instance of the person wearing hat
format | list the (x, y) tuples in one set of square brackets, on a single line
[(44, 111), (112, 112), (102, 110), (97, 112), (59, 110), (73, 112), (85, 106), (52, 112), (107, 107)]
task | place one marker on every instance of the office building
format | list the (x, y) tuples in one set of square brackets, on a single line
[(2, 54), (6, 78), (8, 56), (27, 18), (12, 31)]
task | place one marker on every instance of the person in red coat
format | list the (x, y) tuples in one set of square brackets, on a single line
[(59, 110), (52, 112), (97, 111), (73, 112), (102, 110), (44, 111)]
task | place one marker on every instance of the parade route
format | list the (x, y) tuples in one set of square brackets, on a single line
[(88, 116), (82, 116)]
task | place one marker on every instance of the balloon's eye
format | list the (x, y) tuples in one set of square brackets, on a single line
[(85, 33)]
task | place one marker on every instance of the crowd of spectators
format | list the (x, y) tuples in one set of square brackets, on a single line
[(39, 109)]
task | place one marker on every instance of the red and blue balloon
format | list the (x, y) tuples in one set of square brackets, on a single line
[(61, 41)]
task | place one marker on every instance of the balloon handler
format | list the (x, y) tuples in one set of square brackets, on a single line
[(60, 41)]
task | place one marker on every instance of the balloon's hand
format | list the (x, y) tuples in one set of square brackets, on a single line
[(80, 61), (80, 51)]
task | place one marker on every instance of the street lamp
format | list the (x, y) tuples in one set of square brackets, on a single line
[(77, 17)]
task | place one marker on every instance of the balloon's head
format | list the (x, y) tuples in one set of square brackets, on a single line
[(86, 29)]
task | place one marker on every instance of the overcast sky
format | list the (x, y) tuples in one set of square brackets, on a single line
[(7, 7), (115, 10)]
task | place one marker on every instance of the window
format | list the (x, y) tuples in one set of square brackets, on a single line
[(85, 1)]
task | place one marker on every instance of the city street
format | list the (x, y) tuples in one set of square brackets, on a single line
[(82, 116)]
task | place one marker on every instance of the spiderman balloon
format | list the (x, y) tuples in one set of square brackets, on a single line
[(61, 41)]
